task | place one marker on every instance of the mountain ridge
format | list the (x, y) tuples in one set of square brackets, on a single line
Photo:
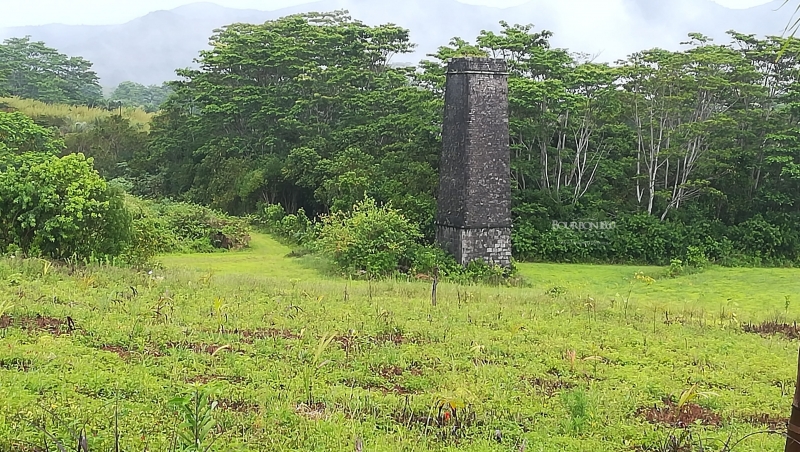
[(149, 48)]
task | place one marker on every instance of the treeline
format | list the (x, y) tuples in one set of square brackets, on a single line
[(692, 153), (32, 70)]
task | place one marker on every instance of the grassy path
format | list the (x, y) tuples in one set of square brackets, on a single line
[(751, 293)]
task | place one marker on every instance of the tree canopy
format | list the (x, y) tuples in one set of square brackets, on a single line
[(32, 70), (695, 149)]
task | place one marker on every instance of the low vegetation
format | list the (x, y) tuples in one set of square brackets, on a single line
[(255, 350), (72, 118)]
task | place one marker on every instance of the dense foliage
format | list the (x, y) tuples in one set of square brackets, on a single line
[(303, 111), (175, 227), (693, 148), (132, 94), (369, 238), (32, 70), (678, 150), (54, 206)]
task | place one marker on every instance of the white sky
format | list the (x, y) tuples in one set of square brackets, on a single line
[(102, 12)]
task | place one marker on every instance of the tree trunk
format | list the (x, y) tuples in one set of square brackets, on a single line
[(793, 429)]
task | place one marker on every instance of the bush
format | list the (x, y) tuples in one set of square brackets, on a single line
[(373, 239), (61, 208), (167, 227), (296, 229)]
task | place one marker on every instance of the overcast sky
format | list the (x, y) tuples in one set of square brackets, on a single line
[(38, 12)]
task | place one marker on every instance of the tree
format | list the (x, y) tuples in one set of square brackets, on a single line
[(679, 103), (20, 134), (32, 70), (52, 206), (149, 98), (276, 111), (112, 143)]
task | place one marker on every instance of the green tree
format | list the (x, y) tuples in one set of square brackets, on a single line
[(20, 134), (32, 70), (277, 111), (61, 208), (112, 143), (132, 94), (370, 238)]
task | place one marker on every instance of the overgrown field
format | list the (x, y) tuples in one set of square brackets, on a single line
[(73, 118), (583, 358)]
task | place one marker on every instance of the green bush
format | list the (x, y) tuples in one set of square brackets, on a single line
[(168, 227), (372, 239), (296, 229), (61, 208)]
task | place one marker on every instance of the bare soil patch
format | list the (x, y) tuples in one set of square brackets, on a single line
[(238, 406), (210, 349), (17, 364), (670, 414), (39, 322), (771, 327), (250, 336), (120, 351), (314, 411), (205, 379), (766, 420), (548, 386)]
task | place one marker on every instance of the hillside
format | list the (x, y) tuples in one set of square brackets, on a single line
[(148, 49)]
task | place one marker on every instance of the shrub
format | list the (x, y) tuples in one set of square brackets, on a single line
[(60, 208), (370, 238), (167, 226), (296, 229)]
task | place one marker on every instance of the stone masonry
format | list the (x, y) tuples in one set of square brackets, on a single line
[(473, 218)]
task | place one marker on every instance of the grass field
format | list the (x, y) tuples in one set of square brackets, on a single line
[(583, 358), (72, 115)]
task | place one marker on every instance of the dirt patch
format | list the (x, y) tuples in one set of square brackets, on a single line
[(314, 411), (384, 387), (121, 352), (238, 406), (19, 446), (671, 415), (444, 424), (769, 328), (17, 364), (388, 371), (39, 322), (205, 379), (250, 336), (767, 420), (394, 336), (210, 349), (548, 386)]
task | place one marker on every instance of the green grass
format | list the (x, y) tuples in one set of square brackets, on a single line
[(72, 114), (567, 363)]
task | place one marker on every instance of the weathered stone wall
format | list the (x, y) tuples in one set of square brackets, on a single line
[(493, 245), (473, 215)]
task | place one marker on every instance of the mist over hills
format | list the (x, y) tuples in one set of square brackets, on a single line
[(149, 49)]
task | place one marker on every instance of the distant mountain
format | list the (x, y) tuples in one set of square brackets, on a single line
[(149, 49)]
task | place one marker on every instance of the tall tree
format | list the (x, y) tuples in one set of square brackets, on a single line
[(32, 70), (305, 111), (132, 94)]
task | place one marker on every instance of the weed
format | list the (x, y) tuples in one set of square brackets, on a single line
[(197, 415), (577, 404), (314, 365)]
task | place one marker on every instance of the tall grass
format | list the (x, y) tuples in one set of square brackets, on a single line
[(73, 118)]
